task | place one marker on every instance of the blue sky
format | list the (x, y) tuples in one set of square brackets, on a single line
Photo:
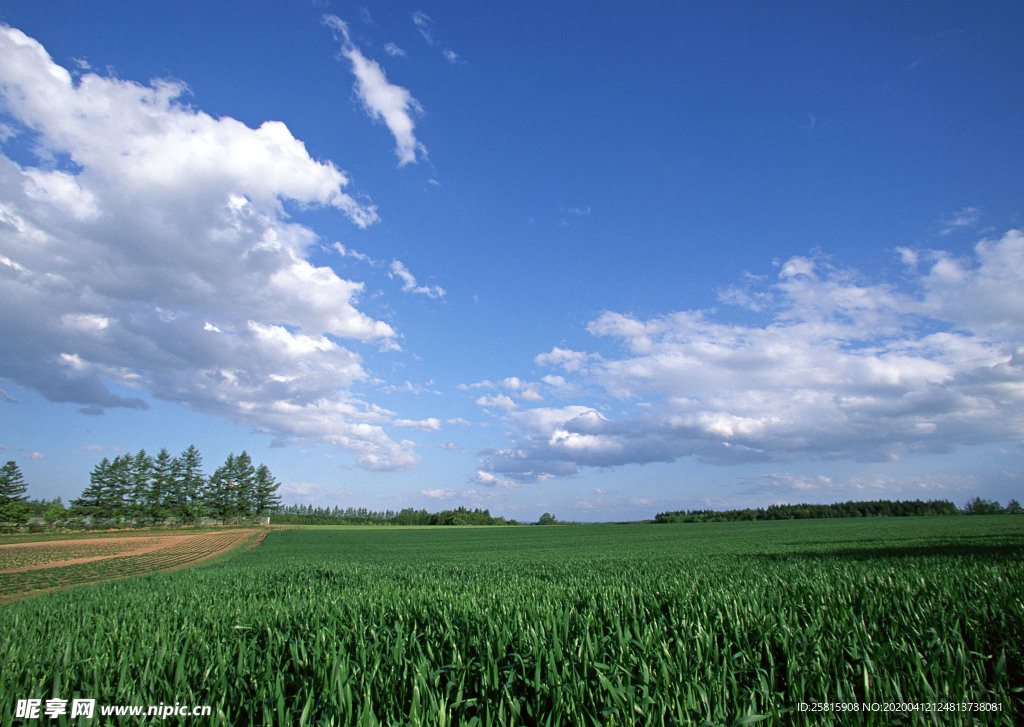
[(598, 259)]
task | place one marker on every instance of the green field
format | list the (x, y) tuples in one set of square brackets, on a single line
[(576, 625)]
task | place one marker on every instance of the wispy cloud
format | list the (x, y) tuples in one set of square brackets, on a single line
[(425, 25), (964, 218), (447, 493), (382, 100), (409, 285)]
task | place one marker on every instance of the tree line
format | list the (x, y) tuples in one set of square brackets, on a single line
[(873, 508), (309, 515), (139, 489)]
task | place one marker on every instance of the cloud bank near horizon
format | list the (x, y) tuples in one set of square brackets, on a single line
[(836, 368)]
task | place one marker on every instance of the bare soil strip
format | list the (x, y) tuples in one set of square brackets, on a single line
[(135, 555)]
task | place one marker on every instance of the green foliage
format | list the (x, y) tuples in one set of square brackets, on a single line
[(55, 513), (981, 506), (875, 508), (264, 497), (13, 506), (309, 515), (189, 484), (139, 490)]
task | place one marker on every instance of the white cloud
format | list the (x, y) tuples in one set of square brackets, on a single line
[(409, 285), (441, 494), (393, 50), (488, 480), (426, 425), (841, 368), (158, 259), (982, 293), (571, 361), (500, 401), (382, 100)]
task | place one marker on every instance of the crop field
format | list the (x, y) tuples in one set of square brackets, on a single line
[(690, 624), (27, 567)]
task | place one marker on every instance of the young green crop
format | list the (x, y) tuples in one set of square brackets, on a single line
[(592, 625)]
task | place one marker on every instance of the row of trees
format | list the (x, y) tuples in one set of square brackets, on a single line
[(874, 508), (143, 489), (309, 515)]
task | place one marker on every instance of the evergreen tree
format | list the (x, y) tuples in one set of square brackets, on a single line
[(243, 486), (218, 494), (13, 505), (190, 482), (265, 497), (95, 500), (139, 484), (160, 486)]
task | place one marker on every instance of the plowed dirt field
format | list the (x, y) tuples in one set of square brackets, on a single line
[(27, 568)]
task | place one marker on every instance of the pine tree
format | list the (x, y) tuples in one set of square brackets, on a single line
[(160, 486), (13, 505), (138, 484), (243, 480), (219, 492), (265, 497), (190, 483), (94, 501)]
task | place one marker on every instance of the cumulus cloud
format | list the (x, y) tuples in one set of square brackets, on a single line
[(146, 250), (839, 368), (382, 100)]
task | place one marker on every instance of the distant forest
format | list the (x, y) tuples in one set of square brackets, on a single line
[(873, 508), (309, 515)]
